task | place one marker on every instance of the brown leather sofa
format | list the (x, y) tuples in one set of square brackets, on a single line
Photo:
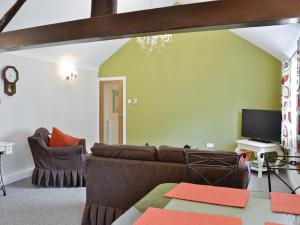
[(118, 176), (56, 166)]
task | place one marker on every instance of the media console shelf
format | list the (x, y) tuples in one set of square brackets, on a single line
[(258, 148)]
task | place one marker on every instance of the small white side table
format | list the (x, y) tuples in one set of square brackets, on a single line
[(258, 148), (7, 149)]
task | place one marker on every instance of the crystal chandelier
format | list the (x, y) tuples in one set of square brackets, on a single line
[(152, 43)]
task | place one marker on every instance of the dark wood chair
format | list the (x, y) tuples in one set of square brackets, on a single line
[(275, 164), (201, 164)]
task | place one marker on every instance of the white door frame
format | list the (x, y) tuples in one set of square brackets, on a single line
[(124, 102)]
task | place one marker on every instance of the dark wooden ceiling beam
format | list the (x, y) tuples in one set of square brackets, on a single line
[(103, 7), (10, 14), (184, 18)]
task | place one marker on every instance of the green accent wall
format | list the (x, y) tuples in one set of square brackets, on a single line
[(193, 91)]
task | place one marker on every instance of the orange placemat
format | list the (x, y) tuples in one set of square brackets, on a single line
[(285, 203), (167, 217), (210, 194), (270, 223)]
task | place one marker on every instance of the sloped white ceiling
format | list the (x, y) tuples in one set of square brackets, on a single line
[(279, 41), (86, 56), (41, 12), (135, 5)]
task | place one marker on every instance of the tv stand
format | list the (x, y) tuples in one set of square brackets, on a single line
[(258, 148), (261, 141)]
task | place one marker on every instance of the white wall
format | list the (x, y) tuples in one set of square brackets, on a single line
[(45, 99)]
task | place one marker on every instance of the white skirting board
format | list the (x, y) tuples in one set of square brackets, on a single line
[(17, 176)]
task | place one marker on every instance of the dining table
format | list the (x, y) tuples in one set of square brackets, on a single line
[(258, 210)]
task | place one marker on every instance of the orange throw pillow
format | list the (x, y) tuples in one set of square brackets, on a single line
[(59, 139)]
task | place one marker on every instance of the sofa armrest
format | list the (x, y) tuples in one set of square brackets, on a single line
[(65, 150), (52, 151), (244, 174), (37, 144)]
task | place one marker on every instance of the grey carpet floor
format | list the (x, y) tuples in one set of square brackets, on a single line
[(261, 184), (26, 204)]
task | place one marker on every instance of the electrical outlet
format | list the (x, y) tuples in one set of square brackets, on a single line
[(210, 145)]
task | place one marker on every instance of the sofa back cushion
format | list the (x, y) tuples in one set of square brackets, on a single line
[(215, 158), (171, 154), (175, 154), (134, 152)]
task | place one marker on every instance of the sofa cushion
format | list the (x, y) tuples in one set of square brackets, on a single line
[(147, 153)]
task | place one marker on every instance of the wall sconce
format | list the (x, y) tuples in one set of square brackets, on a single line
[(72, 76), (67, 68)]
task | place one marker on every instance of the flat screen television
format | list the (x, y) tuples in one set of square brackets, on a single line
[(261, 125)]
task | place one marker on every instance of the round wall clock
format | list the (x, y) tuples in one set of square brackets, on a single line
[(10, 76)]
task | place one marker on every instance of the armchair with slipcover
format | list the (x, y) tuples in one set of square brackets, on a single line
[(57, 166)]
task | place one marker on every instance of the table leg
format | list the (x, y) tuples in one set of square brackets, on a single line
[(260, 164), (2, 185)]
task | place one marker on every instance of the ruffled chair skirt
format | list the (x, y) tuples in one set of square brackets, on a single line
[(58, 178)]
